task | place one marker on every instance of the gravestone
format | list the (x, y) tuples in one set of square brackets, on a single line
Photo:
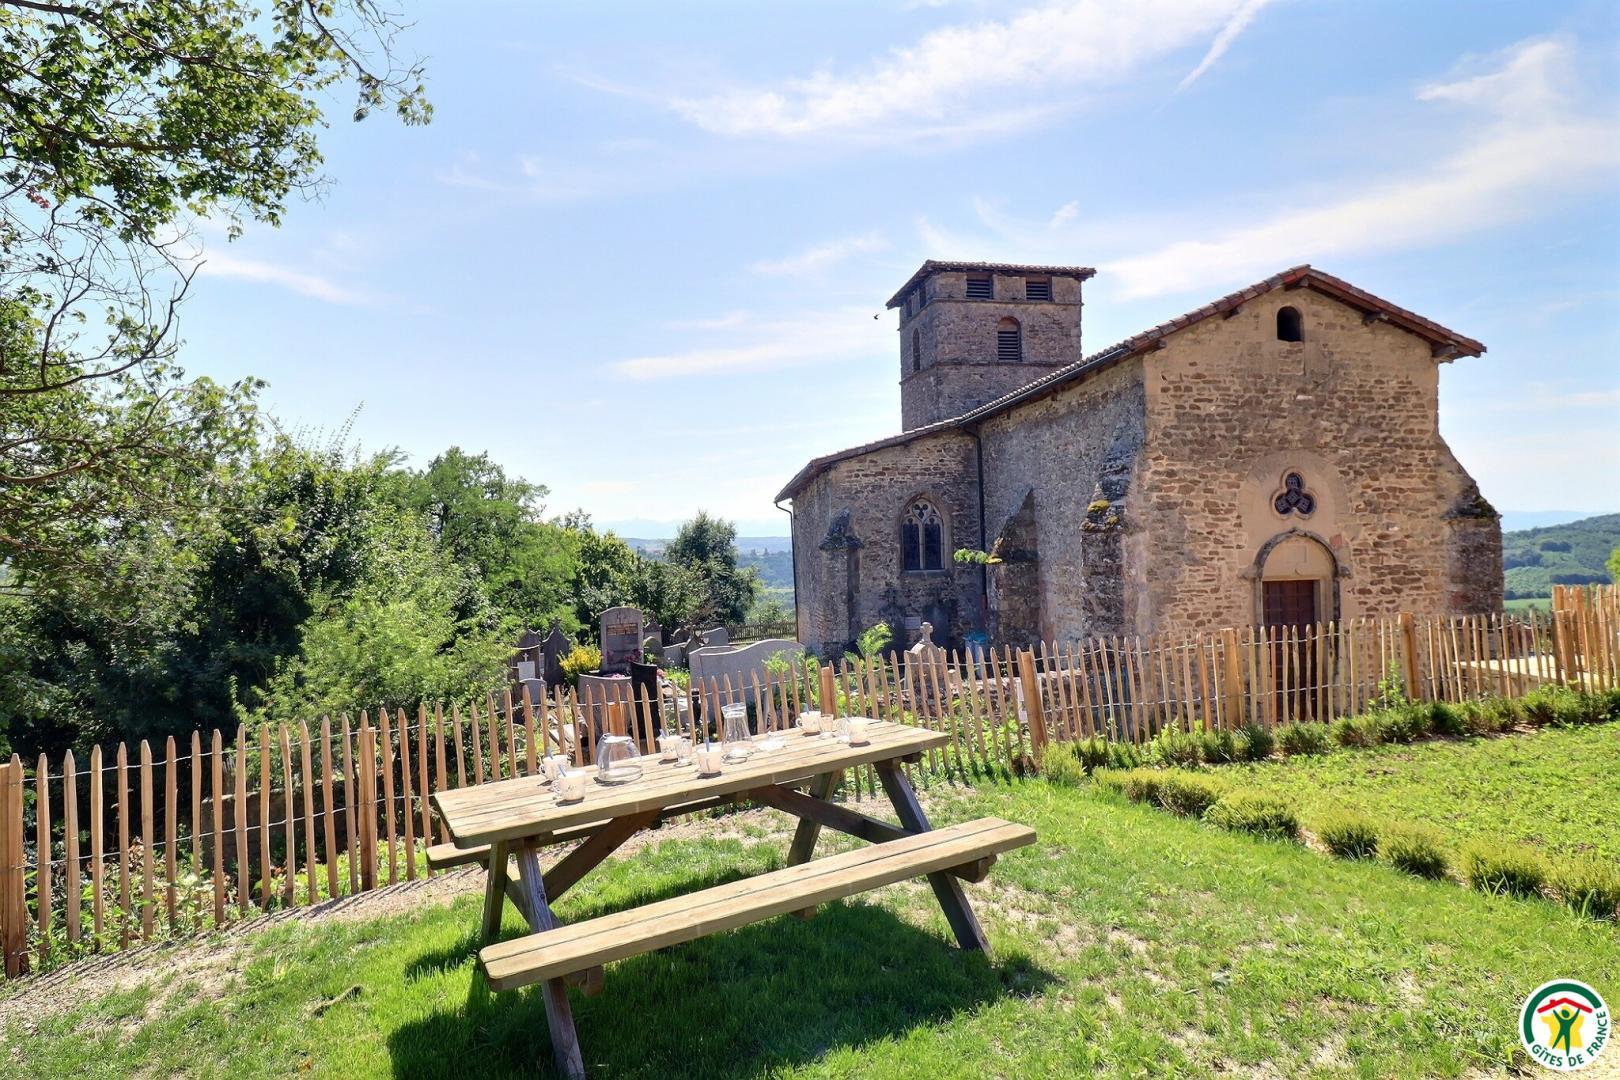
[(742, 663), (552, 650), (716, 637), (644, 702), (621, 639), (526, 659)]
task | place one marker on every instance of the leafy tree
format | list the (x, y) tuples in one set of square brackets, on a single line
[(708, 546), (413, 630), (1613, 565), (491, 525), (123, 123)]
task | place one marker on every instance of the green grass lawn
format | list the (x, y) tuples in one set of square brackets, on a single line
[(1127, 943), (1555, 788)]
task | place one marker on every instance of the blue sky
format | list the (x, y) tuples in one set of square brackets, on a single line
[(637, 254)]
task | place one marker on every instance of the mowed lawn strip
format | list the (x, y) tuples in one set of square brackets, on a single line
[(1128, 943), (1554, 788)]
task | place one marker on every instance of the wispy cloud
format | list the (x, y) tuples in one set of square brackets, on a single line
[(943, 80), (1238, 23), (1540, 398), (822, 257), (749, 344), (304, 283), (1527, 143)]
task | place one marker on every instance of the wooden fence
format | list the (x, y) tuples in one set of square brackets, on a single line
[(135, 844)]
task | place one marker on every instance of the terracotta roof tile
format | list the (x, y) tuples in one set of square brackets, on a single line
[(933, 266)]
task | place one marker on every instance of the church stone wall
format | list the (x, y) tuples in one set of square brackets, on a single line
[(1078, 450), (1352, 408), (846, 543)]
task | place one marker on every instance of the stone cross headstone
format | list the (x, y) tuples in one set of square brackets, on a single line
[(621, 639)]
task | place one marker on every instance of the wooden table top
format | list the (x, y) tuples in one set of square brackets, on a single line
[(526, 806)]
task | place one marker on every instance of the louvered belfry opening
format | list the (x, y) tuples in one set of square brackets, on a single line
[(1009, 342), (1038, 289), (978, 287)]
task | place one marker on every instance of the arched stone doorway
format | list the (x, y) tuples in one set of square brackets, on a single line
[(1296, 581)]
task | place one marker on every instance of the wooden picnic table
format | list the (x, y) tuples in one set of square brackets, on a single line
[(515, 818)]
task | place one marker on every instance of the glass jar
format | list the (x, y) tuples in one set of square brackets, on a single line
[(734, 732)]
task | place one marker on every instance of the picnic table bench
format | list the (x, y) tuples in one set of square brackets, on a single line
[(508, 822)]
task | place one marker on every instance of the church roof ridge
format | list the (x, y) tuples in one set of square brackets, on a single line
[(1444, 344), (934, 266)]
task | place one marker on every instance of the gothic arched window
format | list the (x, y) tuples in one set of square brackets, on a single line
[(922, 538), (1009, 342), (1290, 324)]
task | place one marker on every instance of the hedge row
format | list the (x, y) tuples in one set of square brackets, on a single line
[(1396, 722), (1589, 886)]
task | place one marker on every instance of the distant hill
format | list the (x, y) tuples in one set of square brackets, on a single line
[(1517, 520), (767, 544), (1534, 560)]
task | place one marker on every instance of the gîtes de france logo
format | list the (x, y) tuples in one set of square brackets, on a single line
[(1564, 1025)]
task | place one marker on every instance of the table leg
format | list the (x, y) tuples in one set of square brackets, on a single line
[(805, 836), (559, 1013), (947, 889), (494, 891)]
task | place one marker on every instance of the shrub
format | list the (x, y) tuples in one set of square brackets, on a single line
[(1124, 755), (1173, 747), (1217, 747), (1092, 753), (1510, 869), (1304, 738), (1446, 719), (1416, 849), (1258, 743), (1143, 785), (1401, 723), (1555, 705), (1061, 764), (1348, 835), (581, 660), (1356, 730), (1590, 886), (1253, 812), (1189, 794), (1489, 717), (1138, 785)]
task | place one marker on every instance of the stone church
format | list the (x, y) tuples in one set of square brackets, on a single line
[(1273, 456)]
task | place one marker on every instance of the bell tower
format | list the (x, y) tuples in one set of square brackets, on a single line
[(972, 332)]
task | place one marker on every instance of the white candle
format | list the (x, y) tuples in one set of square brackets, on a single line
[(571, 786), (709, 759), (857, 731), (668, 746), (810, 722)]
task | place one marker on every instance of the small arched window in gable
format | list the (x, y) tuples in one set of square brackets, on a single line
[(922, 538), (1009, 342), (1290, 324), (916, 351)]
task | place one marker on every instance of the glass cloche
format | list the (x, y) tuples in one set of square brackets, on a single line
[(617, 759)]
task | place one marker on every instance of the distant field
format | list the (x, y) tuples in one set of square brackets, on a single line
[(1537, 603)]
